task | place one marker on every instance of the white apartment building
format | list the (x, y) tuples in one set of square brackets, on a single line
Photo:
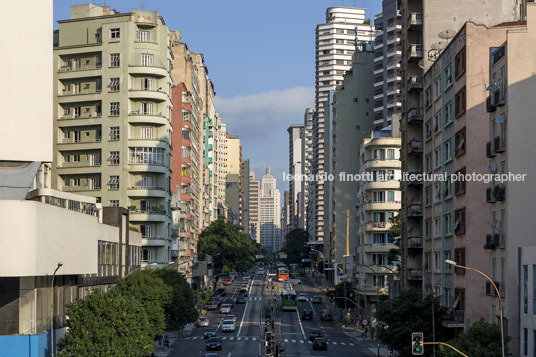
[(295, 164), (269, 213)]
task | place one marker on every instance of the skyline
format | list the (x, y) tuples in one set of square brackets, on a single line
[(258, 110)]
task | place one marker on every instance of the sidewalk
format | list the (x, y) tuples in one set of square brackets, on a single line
[(160, 351), (370, 344)]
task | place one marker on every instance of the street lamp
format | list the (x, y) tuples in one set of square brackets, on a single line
[(456, 265), (60, 264)]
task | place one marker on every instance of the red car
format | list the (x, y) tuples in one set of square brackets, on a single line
[(227, 282)]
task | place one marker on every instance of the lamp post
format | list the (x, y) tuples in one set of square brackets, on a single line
[(377, 296), (60, 264), (456, 265)]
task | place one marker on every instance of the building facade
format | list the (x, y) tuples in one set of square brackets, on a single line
[(254, 207), (232, 181), (296, 135), (307, 167), (269, 213)]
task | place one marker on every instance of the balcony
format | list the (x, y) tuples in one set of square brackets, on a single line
[(492, 241), (415, 116), (414, 274), (139, 117), (153, 191), (415, 147), (490, 195), (500, 192), (415, 83), (415, 210), (155, 242), (490, 106), (414, 243), (415, 179), (489, 150), (156, 215), (72, 72), (375, 248), (154, 94), (499, 144), (415, 19), (415, 52)]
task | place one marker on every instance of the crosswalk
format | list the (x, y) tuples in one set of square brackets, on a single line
[(286, 340)]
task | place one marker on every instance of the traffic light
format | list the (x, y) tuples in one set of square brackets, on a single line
[(331, 298), (417, 346)]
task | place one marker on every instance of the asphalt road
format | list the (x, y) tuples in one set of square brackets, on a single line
[(289, 329)]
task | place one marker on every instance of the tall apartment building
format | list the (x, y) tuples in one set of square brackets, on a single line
[(296, 136), (254, 207), (285, 217), (336, 42), (509, 236), (425, 32), (112, 116), (232, 179), (269, 213), (378, 202), (353, 109), (387, 77), (220, 172), (244, 193), (307, 167)]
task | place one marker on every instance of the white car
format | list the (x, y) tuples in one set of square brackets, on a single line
[(302, 297), (260, 272), (225, 309), (203, 322), (230, 317), (228, 326)]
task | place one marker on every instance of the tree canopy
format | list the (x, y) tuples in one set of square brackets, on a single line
[(409, 312), (344, 289), (295, 245), (236, 249)]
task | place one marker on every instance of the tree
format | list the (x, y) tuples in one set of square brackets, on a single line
[(152, 293), (107, 324), (296, 245), (344, 289), (180, 308), (481, 339), (409, 312), (236, 249)]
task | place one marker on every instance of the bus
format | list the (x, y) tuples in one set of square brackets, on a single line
[(294, 271), (289, 300), (282, 274)]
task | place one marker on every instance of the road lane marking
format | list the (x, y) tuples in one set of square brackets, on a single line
[(231, 338), (245, 308), (229, 354), (254, 339), (342, 343), (238, 338), (301, 341), (335, 343), (299, 320), (309, 342), (286, 340), (351, 344), (293, 341), (246, 338)]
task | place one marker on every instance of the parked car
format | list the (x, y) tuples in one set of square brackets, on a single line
[(307, 314), (203, 322), (325, 315), (230, 317), (209, 332), (314, 334), (228, 326), (228, 301), (260, 271), (221, 292), (213, 343), (244, 292), (320, 344), (302, 297), (228, 282), (241, 299), (225, 309), (211, 354), (317, 299), (213, 305)]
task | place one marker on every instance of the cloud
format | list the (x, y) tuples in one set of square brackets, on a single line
[(261, 120)]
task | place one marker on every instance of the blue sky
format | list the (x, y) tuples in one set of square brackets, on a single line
[(260, 56)]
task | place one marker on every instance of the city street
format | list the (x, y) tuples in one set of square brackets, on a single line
[(289, 329)]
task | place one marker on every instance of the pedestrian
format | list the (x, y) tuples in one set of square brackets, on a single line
[(372, 333), (366, 331)]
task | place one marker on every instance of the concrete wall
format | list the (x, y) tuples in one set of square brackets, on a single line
[(26, 79)]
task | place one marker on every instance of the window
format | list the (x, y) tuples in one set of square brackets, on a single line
[(145, 255), (534, 291), (437, 123), (76, 158), (114, 203), (448, 78), (437, 157), (186, 133), (95, 183), (146, 133), (147, 84), (459, 221), (437, 227), (146, 59), (427, 228), (114, 85), (146, 181), (437, 262), (428, 162), (459, 257), (428, 196), (390, 154), (447, 113), (113, 183), (146, 108), (437, 87), (390, 196), (459, 184), (115, 33), (459, 63), (145, 230), (114, 59), (447, 224), (379, 154), (185, 152), (447, 255), (428, 130), (447, 297), (459, 101), (459, 142), (428, 97), (437, 192), (76, 182), (114, 158), (525, 342), (525, 288), (114, 108), (143, 36), (114, 133), (447, 150)]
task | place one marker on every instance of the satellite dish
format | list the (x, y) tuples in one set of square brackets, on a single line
[(492, 167), (421, 63), (437, 46), (447, 34), (500, 119)]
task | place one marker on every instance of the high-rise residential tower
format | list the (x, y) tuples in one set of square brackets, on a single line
[(296, 136), (254, 208), (307, 166), (270, 213)]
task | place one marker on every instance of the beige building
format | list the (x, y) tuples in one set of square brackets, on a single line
[(427, 26), (232, 181), (220, 158), (112, 107), (254, 206), (378, 203), (509, 235)]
